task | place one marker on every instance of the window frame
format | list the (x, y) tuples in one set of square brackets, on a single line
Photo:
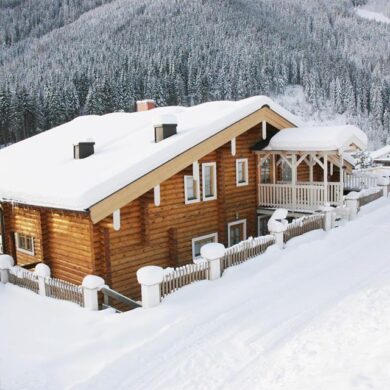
[(200, 238), (238, 222), (259, 217), (196, 189), (21, 249), (246, 172), (214, 183)]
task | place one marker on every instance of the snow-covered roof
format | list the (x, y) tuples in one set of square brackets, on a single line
[(41, 170), (382, 153), (319, 138)]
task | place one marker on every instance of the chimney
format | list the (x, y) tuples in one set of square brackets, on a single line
[(83, 150), (145, 105), (164, 127)]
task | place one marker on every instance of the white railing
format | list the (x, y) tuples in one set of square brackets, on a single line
[(359, 181), (301, 197)]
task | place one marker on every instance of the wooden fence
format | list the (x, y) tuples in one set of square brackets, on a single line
[(60, 289), (304, 225), (182, 276), (24, 278), (246, 250), (54, 288), (370, 198)]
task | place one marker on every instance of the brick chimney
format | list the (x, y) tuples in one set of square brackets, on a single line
[(145, 105)]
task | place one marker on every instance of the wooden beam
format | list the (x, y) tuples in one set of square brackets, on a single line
[(138, 187)]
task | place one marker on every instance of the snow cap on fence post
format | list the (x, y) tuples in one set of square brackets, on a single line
[(277, 225), (91, 286), (43, 272), (328, 216), (150, 279), (352, 202), (6, 263), (213, 253)]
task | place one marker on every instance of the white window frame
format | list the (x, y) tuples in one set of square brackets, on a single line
[(214, 184), (22, 250), (194, 240), (246, 172), (197, 189), (239, 222)]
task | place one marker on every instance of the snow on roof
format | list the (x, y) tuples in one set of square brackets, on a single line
[(315, 138), (41, 170), (382, 153)]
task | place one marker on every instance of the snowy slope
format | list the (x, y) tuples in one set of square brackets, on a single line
[(314, 316)]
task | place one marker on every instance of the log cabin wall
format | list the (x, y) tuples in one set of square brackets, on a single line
[(162, 235), (63, 240), (26, 221)]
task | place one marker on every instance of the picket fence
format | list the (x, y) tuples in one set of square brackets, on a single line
[(182, 276), (246, 250), (304, 225), (54, 288)]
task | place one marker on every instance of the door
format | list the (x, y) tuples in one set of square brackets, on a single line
[(237, 232)]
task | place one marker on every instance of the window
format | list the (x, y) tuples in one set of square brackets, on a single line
[(265, 171), (209, 181), (242, 172), (24, 243), (262, 225), (198, 242), (191, 190), (236, 232), (286, 170)]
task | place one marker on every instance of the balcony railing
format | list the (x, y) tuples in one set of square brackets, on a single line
[(301, 197)]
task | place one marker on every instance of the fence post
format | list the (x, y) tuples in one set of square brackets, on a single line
[(328, 216), (150, 279), (353, 204), (213, 252), (43, 272), (6, 263), (91, 286), (277, 225)]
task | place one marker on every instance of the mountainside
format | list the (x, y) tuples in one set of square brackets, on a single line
[(67, 61)]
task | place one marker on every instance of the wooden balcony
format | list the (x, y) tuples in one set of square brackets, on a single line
[(301, 197)]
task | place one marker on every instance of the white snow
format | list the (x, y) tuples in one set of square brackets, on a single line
[(42, 270), (92, 282), (212, 251), (372, 15), (319, 138), (41, 170), (382, 153), (6, 261), (313, 316), (150, 275)]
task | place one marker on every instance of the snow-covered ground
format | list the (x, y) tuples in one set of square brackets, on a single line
[(378, 10), (313, 316)]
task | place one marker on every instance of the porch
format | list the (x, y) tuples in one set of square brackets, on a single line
[(299, 181)]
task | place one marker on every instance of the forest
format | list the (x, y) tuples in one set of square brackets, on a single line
[(64, 58)]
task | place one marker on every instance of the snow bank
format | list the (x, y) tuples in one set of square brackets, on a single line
[(124, 151), (314, 316), (319, 138), (6, 261), (361, 194)]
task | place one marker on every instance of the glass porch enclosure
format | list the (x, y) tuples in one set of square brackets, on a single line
[(299, 181)]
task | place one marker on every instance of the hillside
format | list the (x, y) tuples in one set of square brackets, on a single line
[(313, 316), (101, 58)]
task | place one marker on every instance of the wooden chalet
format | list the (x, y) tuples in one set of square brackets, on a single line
[(108, 195)]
